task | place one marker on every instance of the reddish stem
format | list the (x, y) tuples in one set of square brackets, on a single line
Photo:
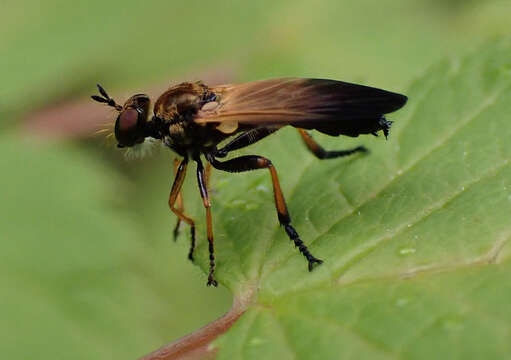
[(196, 344)]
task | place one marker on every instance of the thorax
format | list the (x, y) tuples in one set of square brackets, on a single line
[(177, 109)]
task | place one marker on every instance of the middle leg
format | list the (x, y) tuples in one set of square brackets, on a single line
[(253, 162), (203, 188), (245, 139)]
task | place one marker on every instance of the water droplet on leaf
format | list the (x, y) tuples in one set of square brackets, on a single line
[(256, 341), (402, 302), (406, 251)]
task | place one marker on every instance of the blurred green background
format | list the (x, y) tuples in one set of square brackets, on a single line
[(89, 269)]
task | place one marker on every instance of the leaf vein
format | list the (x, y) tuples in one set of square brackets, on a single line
[(424, 215), (488, 102)]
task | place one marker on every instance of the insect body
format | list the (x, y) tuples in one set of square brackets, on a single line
[(192, 119)]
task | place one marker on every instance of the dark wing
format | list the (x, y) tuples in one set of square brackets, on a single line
[(332, 107)]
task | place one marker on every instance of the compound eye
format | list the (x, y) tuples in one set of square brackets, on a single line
[(128, 120), (129, 128)]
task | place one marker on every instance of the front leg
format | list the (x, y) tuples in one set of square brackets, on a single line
[(253, 162), (179, 201), (173, 197)]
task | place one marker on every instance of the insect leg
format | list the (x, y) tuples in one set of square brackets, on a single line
[(174, 194), (321, 153), (180, 205), (247, 138), (253, 162), (207, 174), (201, 179)]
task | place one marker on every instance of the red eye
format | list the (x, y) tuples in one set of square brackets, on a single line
[(130, 126), (128, 119)]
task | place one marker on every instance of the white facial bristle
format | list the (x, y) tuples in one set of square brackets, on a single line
[(142, 150)]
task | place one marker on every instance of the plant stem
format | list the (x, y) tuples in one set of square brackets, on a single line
[(196, 344)]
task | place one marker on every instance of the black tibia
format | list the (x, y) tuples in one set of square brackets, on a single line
[(173, 197), (181, 208), (244, 139), (254, 162), (203, 188), (321, 153), (179, 201)]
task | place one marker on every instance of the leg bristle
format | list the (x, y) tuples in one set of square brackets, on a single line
[(192, 243), (176, 229), (293, 235)]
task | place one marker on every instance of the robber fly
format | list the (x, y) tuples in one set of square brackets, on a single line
[(192, 119)]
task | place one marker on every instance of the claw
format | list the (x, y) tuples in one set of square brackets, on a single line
[(212, 282), (385, 125), (314, 261)]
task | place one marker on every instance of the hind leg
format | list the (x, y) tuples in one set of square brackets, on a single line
[(321, 153)]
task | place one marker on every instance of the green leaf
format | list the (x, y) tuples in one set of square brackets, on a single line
[(59, 273), (414, 236), (80, 278)]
